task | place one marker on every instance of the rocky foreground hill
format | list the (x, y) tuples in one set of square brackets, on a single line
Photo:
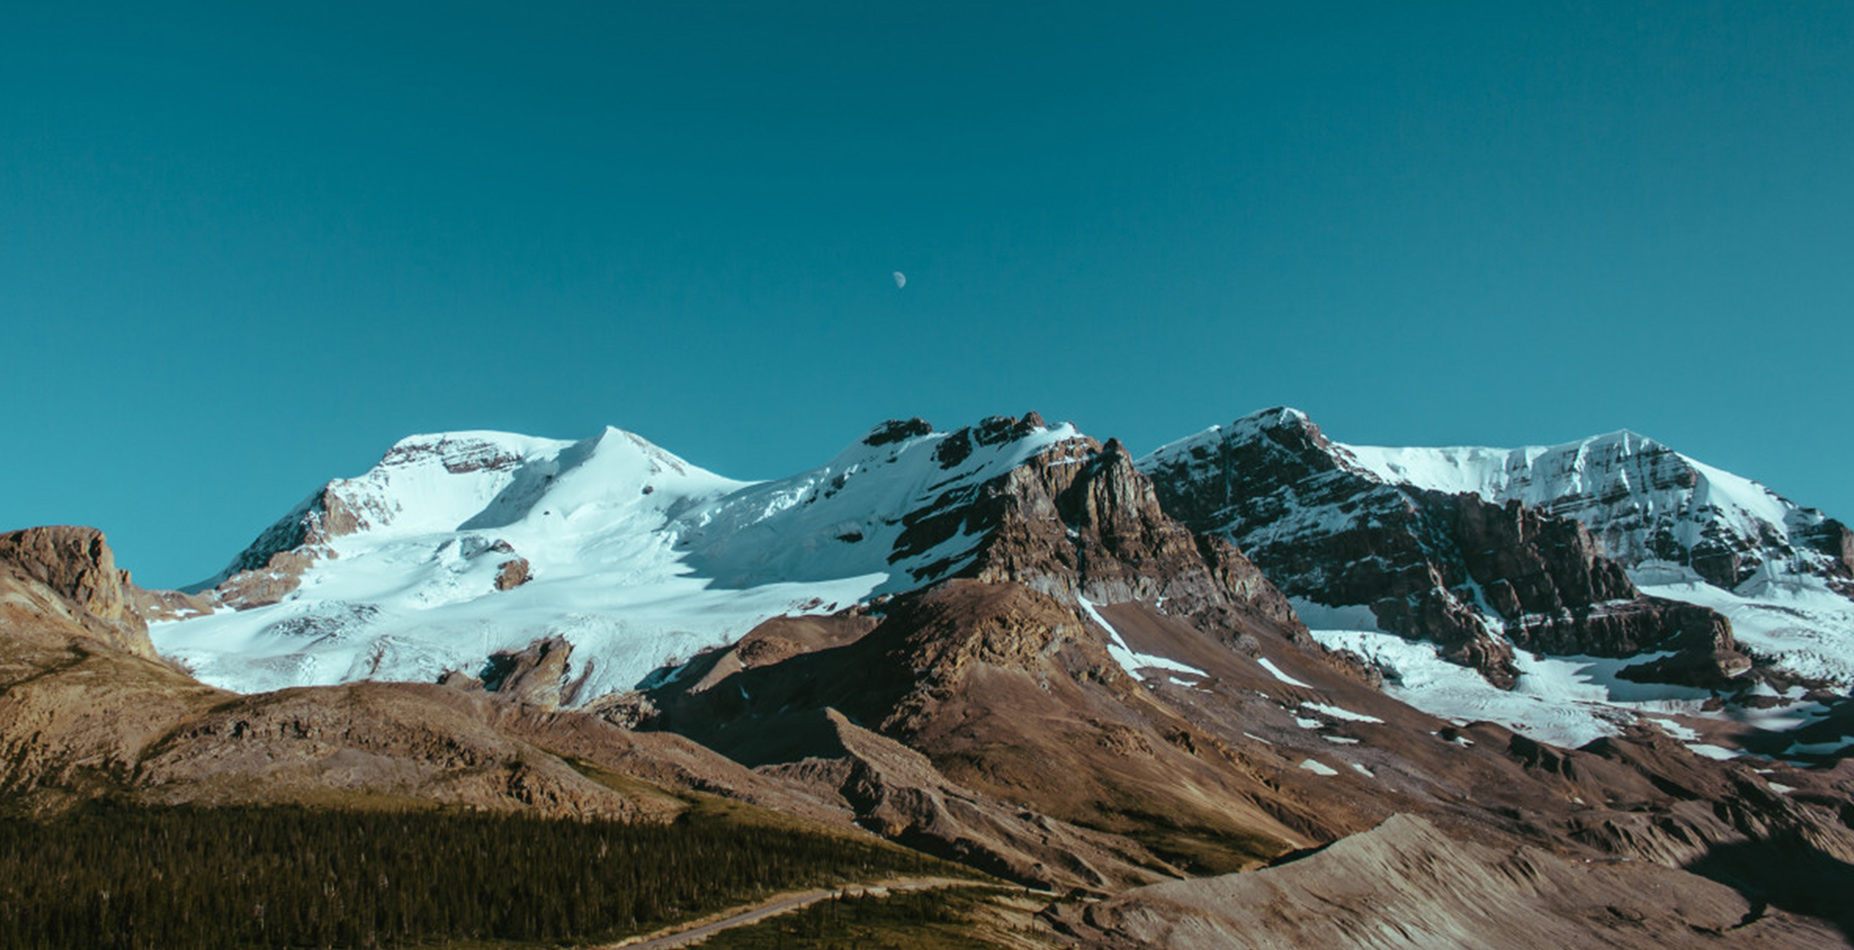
[(1024, 650)]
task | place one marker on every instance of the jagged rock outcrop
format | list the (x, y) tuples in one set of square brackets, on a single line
[(1835, 541), (1648, 505), (1079, 520), (77, 565), (513, 573), (1013, 696), (1471, 575), (272, 566), (536, 675)]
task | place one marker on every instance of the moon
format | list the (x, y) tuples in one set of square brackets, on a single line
[(901, 280)]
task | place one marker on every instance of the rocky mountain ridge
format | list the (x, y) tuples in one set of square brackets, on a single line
[(1027, 662), (458, 546), (461, 547), (1591, 551), (1478, 577)]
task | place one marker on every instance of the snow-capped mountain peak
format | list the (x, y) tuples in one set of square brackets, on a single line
[(847, 517), (458, 544), (1320, 513), (1651, 506), (459, 481)]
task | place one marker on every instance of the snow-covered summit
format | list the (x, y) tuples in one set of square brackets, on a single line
[(632, 554), (1782, 573), (1652, 506), (1684, 530), (846, 517)]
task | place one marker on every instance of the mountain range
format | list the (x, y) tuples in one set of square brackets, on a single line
[(1519, 678)]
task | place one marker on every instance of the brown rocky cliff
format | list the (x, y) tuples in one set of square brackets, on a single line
[(1428, 564), (1834, 539), (1011, 695), (76, 563), (513, 573), (1548, 579), (536, 674), (1078, 520), (272, 566)]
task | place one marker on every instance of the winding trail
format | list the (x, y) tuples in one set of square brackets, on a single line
[(686, 935)]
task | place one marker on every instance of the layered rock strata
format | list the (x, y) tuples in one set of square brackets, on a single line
[(1473, 576)]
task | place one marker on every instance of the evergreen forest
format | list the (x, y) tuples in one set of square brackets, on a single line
[(111, 877)]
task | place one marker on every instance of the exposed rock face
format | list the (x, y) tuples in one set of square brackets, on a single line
[(1405, 884), (1079, 520), (1464, 572), (1555, 592), (536, 675), (272, 566), (1835, 541), (158, 605), (897, 430), (513, 573), (1653, 509), (1015, 700), (77, 564), (1644, 501)]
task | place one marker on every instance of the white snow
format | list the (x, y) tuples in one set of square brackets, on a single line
[(1675, 729), (1711, 751), (1634, 495), (1130, 660), (1275, 671), (1566, 701), (1629, 490), (638, 557), (1830, 747), (1337, 712), (1794, 620), (1317, 767)]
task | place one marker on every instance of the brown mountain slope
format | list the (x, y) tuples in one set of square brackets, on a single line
[(1405, 884), (1246, 739), (1009, 693), (81, 694), (1009, 696), (83, 715)]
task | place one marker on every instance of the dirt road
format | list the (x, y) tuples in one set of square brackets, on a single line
[(782, 904)]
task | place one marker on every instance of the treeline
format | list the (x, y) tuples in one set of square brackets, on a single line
[(179, 878)]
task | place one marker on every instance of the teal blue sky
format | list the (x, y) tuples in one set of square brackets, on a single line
[(245, 247)]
